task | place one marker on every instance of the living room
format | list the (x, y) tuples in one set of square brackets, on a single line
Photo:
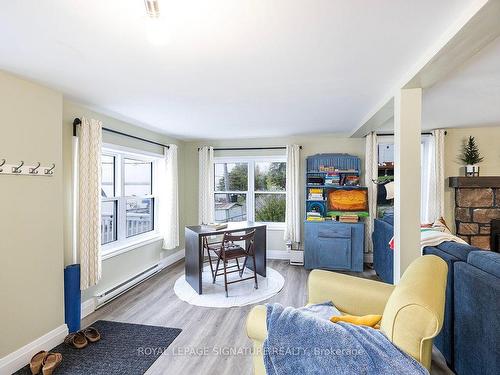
[(234, 186)]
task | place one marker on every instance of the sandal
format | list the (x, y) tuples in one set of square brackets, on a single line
[(51, 362), (91, 334), (36, 362), (76, 340)]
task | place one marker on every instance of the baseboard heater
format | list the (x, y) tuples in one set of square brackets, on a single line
[(112, 293)]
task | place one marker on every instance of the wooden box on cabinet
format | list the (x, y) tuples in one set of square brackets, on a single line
[(332, 245)]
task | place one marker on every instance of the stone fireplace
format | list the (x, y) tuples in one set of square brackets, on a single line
[(477, 205)]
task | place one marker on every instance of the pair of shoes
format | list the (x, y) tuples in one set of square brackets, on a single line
[(45, 361), (81, 339)]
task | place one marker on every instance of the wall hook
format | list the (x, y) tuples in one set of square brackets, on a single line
[(50, 170), (18, 168), (35, 169), (1, 164)]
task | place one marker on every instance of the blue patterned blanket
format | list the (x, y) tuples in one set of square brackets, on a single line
[(303, 341)]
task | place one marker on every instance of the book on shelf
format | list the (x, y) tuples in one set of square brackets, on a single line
[(349, 218), (215, 226), (312, 218)]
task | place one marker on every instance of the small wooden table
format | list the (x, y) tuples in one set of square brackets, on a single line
[(194, 248)]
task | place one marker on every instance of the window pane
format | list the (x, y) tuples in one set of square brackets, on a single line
[(231, 176), (107, 176), (270, 207), (108, 222), (140, 217), (270, 176), (230, 207), (137, 177)]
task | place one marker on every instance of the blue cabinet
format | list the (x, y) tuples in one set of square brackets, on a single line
[(333, 245)]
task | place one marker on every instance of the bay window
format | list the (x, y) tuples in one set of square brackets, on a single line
[(250, 189), (127, 199)]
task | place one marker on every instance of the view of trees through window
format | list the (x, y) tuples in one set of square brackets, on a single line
[(233, 182)]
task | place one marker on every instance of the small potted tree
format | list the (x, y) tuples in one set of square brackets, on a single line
[(471, 157)]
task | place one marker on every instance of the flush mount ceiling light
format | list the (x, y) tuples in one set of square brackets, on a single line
[(152, 8)]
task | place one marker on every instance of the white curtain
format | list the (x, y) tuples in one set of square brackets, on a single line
[(89, 202), (371, 173), (436, 181), (168, 193), (292, 215), (206, 185)]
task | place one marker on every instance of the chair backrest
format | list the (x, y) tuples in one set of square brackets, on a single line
[(249, 238), (414, 313)]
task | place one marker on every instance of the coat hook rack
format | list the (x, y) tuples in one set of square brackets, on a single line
[(19, 169)]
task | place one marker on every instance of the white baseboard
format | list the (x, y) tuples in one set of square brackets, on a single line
[(278, 254), (171, 259), (88, 307), (21, 357)]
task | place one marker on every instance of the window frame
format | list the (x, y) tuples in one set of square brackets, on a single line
[(250, 192), (122, 242)]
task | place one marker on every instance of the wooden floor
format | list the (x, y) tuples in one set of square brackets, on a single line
[(213, 341)]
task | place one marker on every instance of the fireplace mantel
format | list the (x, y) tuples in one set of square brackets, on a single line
[(475, 182)]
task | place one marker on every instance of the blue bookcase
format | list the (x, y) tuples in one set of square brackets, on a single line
[(330, 244)]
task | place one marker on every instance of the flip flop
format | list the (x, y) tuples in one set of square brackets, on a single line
[(36, 362), (91, 334), (51, 362), (76, 340)]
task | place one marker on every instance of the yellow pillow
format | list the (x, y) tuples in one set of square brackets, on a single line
[(366, 320)]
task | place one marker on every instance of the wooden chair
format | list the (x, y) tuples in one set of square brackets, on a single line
[(228, 250)]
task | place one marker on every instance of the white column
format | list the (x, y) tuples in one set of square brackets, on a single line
[(407, 139)]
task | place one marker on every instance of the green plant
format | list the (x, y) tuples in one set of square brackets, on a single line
[(470, 152)]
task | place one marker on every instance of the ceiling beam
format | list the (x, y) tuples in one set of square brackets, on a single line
[(476, 29)]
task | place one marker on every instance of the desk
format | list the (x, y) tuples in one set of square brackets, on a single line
[(194, 248)]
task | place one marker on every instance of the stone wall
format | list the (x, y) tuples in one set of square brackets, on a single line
[(474, 210)]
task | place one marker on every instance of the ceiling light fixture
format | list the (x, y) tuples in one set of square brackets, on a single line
[(152, 8)]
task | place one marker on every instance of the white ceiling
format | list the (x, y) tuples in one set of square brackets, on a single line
[(231, 69), (469, 97)]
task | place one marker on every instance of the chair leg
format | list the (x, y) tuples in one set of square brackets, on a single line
[(255, 272), (225, 276), (216, 270), (210, 262), (244, 265)]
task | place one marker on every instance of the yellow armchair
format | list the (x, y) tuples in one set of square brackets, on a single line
[(412, 311)]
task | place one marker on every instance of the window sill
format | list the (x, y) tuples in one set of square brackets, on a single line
[(129, 245)]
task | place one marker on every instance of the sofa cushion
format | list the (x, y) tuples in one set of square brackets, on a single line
[(388, 218), (487, 261), (458, 250)]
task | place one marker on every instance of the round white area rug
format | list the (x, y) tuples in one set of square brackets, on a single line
[(240, 294)]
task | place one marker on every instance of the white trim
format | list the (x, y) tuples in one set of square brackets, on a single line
[(278, 254), (131, 152), (88, 307), (125, 246), (171, 259), (18, 359)]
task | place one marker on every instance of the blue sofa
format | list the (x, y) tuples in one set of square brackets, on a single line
[(451, 252), (477, 314), (383, 257)]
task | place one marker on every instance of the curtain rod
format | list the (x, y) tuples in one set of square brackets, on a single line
[(392, 134), (77, 122), (250, 148)]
